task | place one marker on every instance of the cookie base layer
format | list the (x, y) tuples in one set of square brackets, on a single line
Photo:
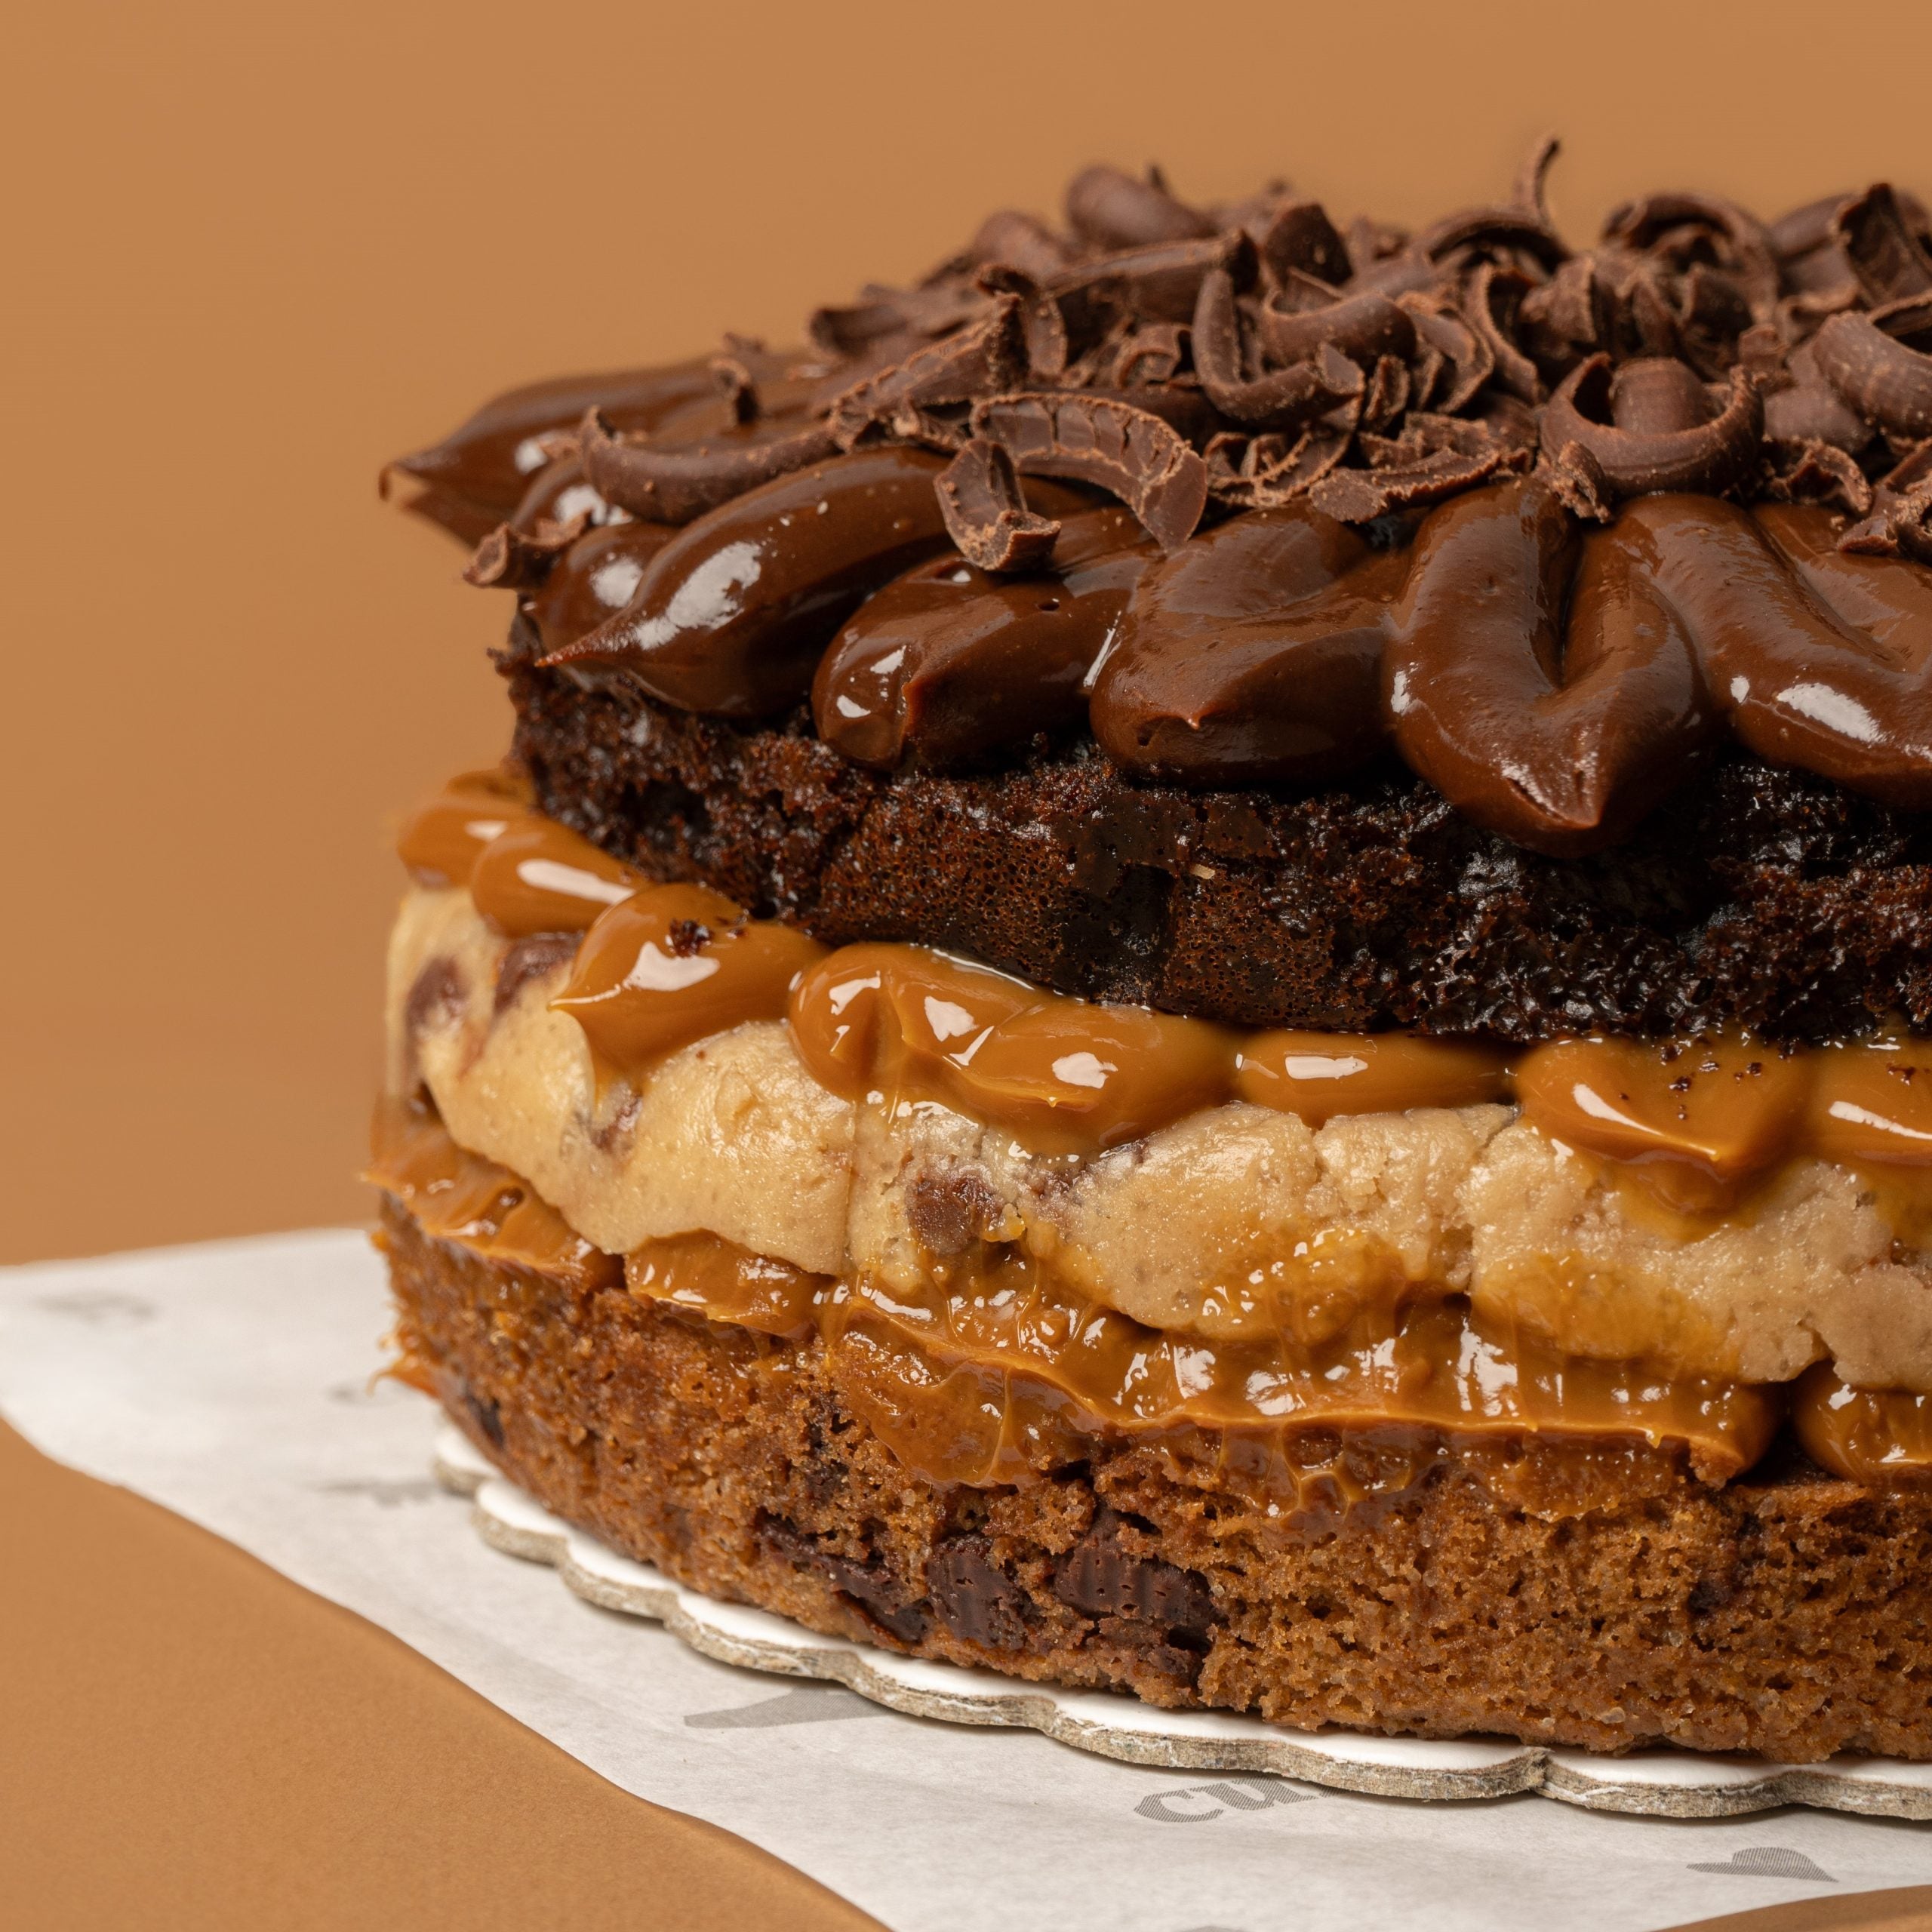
[(1755, 898), (1789, 1615)]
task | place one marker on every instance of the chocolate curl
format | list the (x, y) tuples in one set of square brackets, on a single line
[(738, 387), (1811, 411), (1567, 316), (1267, 472), (1900, 524), (1884, 380), (985, 510), (1442, 327), (987, 359), (1119, 447), (1300, 239), (1501, 229), (1111, 209), (1011, 239), (673, 484), (1888, 259), (1362, 326), (1361, 495), (1159, 284), (1493, 287), (1807, 470), (1653, 427), (1533, 180), (883, 313), (1576, 480), (1283, 400), (512, 559), (1041, 324), (1641, 226)]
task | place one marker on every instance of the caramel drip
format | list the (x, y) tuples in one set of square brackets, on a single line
[(1693, 1125), (1066, 1076), (996, 1370), (1873, 1436), (440, 842), (1696, 1123), (1319, 1075), (673, 964), (458, 1196), (537, 876)]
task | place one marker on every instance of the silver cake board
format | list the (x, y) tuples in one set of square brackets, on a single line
[(1661, 1783)]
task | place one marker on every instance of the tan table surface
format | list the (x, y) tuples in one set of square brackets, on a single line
[(251, 252)]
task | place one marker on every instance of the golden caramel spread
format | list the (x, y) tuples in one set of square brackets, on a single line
[(988, 1368), (456, 1196), (674, 963), (1873, 1436)]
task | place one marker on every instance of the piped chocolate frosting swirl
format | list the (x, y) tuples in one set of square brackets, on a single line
[(1262, 500)]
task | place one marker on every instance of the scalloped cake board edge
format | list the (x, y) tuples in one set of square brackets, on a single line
[(1662, 1783)]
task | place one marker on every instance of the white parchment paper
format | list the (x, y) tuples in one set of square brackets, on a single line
[(230, 1383)]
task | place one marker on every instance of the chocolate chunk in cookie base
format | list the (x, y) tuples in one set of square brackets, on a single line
[(1758, 896)]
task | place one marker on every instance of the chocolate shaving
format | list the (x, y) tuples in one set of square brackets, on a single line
[(1119, 447), (1900, 524), (512, 559), (1011, 239), (1683, 228), (1442, 327), (1501, 231), (1267, 471), (1567, 316), (1491, 298), (1808, 470), (1889, 260), (988, 358), (1300, 239), (674, 483), (738, 387), (1148, 355), (1714, 455), (1363, 327), (883, 313), (1111, 209), (1157, 284), (1813, 412), (1361, 495), (985, 510), (1283, 400), (1533, 181), (1578, 481), (1406, 273), (1387, 395), (1887, 381)]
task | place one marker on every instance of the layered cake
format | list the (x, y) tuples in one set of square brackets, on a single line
[(1205, 966)]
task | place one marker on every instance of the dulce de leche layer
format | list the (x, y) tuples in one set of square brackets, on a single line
[(993, 1371), (1695, 1125)]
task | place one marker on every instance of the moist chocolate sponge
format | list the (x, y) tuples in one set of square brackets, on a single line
[(1788, 1613), (1756, 896)]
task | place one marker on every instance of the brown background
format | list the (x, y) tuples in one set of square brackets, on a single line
[(253, 251)]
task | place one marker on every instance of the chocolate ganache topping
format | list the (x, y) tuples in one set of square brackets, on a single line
[(1262, 500)]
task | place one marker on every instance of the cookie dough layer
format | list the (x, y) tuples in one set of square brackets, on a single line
[(1787, 1614), (1232, 1219)]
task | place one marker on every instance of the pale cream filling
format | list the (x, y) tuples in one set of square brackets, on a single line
[(1235, 1220)]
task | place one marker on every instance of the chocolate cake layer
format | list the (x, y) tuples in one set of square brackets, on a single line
[(1758, 896), (1788, 1613)]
